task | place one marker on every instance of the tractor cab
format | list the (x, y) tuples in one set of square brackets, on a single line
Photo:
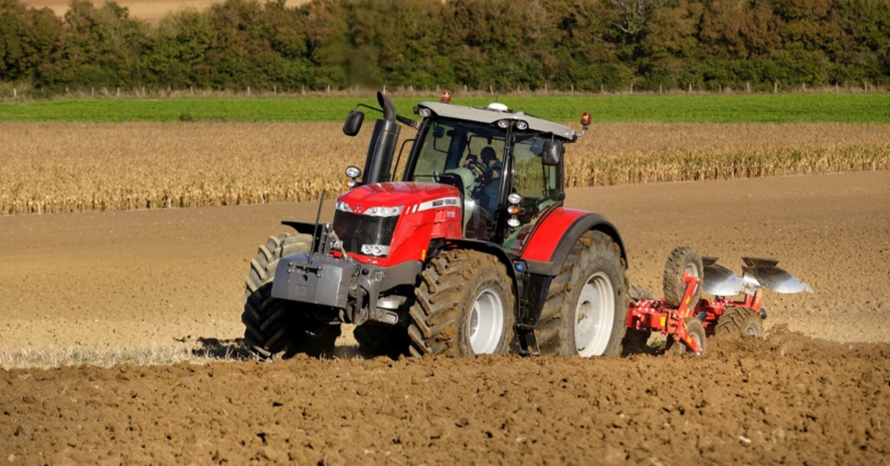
[(494, 157)]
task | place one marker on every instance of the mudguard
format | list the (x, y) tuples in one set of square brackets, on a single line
[(553, 239)]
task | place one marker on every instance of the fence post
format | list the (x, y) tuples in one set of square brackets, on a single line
[(690, 88), (573, 89), (748, 87), (384, 89), (775, 87)]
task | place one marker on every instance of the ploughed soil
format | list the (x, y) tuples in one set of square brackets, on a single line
[(788, 399), (173, 278)]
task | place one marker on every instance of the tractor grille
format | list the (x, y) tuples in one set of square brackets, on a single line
[(356, 230)]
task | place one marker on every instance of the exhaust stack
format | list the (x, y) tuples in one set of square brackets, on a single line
[(382, 145)]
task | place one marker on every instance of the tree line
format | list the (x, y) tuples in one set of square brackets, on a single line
[(499, 44)]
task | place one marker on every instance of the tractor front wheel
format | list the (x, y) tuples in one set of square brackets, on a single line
[(464, 306), (586, 306), (274, 327)]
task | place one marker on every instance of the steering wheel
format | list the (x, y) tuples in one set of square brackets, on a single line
[(478, 169)]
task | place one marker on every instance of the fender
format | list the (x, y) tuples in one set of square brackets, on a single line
[(554, 238), (488, 248)]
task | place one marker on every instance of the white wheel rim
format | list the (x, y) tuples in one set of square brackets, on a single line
[(485, 325), (594, 316)]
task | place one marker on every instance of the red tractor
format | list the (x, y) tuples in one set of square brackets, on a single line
[(687, 319), (470, 252)]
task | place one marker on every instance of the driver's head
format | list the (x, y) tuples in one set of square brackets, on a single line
[(488, 155)]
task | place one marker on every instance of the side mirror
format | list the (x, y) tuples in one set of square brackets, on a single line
[(551, 154), (353, 123)]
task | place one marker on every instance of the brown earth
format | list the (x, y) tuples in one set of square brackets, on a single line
[(786, 400), (169, 277)]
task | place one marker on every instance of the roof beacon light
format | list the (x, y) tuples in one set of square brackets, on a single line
[(446, 97), (585, 123), (498, 107)]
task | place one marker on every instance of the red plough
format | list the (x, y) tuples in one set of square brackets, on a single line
[(687, 319)]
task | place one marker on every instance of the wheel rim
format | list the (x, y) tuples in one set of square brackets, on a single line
[(594, 316), (485, 325)]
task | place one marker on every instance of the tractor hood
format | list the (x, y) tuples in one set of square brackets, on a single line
[(405, 195)]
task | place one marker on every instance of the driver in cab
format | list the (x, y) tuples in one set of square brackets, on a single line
[(491, 172)]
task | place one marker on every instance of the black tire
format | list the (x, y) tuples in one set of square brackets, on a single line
[(680, 261), (275, 328), (378, 339), (594, 259), (739, 321), (697, 330), (451, 285)]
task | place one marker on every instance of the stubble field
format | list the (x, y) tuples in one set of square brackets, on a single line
[(126, 290), (74, 167)]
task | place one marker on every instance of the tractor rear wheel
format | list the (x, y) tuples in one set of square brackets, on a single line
[(680, 262), (739, 321), (464, 306), (280, 328), (585, 310)]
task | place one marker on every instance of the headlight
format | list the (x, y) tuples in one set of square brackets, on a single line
[(503, 124), (425, 112), (384, 211), (521, 125), (353, 172), (343, 207), (514, 198)]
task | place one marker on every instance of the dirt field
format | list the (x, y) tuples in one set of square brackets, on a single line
[(168, 278)]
